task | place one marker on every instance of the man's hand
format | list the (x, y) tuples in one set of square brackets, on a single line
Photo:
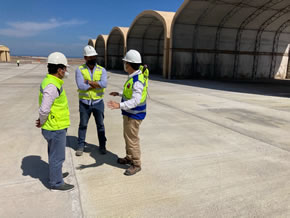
[(94, 85), (37, 123), (114, 93), (86, 82), (113, 105)]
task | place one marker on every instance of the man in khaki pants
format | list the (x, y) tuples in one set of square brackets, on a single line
[(133, 108)]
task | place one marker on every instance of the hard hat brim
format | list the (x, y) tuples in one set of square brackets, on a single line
[(124, 59), (91, 55), (67, 65)]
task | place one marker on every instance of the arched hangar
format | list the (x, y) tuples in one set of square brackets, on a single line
[(236, 39)]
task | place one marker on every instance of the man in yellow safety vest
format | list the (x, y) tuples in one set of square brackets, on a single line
[(54, 119), (91, 80)]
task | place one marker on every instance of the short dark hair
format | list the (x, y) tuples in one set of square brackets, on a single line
[(52, 68), (134, 66)]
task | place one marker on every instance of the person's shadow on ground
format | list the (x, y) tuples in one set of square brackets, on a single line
[(109, 158), (36, 168)]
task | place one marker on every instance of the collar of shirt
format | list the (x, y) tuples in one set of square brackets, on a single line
[(134, 74)]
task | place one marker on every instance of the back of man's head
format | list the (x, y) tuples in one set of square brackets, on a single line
[(52, 68)]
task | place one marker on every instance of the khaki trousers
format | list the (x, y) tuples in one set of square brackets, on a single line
[(131, 130)]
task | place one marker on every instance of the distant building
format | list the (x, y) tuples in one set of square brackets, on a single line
[(92, 42), (4, 53)]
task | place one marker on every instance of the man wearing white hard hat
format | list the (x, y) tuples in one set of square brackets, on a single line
[(133, 106), (91, 80), (54, 118)]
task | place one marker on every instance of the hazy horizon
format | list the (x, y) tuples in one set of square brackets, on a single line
[(43, 56)]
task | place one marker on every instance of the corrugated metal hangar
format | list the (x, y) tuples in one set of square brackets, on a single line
[(116, 47), (212, 39)]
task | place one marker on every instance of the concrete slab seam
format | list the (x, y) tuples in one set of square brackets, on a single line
[(218, 124), (76, 197)]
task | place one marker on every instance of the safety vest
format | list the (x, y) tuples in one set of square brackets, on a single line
[(138, 112), (145, 73), (58, 117), (92, 94)]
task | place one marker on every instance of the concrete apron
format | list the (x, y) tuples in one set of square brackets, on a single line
[(24, 168), (206, 152)]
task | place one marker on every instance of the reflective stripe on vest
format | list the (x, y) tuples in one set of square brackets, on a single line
[(93, 94), (58, 117)]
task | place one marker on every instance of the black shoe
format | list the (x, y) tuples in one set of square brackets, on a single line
[(64, 175), (103, 150), (80, 151), (63, 187)]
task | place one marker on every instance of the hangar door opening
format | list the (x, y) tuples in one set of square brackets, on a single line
[(115, 50), (101, 50), (147, 37)]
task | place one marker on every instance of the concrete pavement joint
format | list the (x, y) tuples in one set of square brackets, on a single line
[(76, 197), (218, 124)]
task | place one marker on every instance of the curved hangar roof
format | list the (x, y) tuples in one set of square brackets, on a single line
[(4, 48), (101, 46), (242, 38), (149, 33), (116, 47), (92, 42)]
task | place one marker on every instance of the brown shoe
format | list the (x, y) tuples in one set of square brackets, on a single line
[(132, 170), (124, 161)]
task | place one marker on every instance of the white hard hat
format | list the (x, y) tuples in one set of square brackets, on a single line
[(133, 56), (57, 58), (89, 51)]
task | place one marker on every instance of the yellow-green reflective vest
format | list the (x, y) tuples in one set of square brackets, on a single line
[(92, 94), (58, 117), (138, 112), (145, 73)]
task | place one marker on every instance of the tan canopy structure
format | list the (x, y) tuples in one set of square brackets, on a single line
[(237, 39), (116, 47), (4, 53), (101, 48), (150, 35), (92, 42)]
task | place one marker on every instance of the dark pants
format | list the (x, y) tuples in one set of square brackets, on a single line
[(56, 154), (85, 114)]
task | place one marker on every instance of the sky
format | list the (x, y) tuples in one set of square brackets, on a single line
[(39, 27)]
